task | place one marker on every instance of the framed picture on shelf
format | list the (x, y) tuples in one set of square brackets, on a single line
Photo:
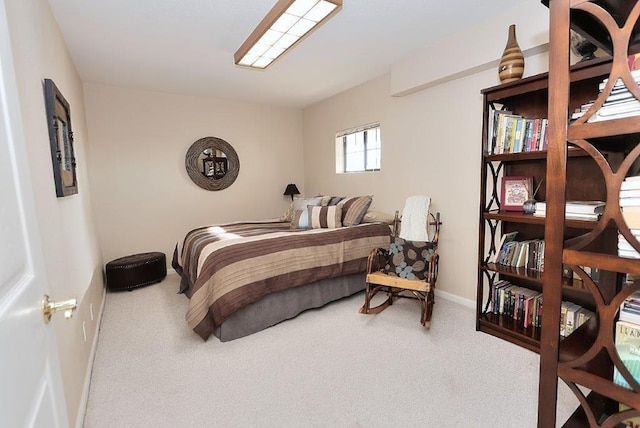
[(515, 190)]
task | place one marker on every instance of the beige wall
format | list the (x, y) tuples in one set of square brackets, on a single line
[(431, 145), (144, 199), (72, 256)]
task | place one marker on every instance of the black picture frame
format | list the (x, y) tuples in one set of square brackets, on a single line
[(61, 140)]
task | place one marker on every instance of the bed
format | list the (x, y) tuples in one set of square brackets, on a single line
[(243, 277)]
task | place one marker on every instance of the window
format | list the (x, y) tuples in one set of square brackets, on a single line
[(358, 149)]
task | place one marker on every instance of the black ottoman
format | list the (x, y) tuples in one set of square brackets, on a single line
[(137, 270)]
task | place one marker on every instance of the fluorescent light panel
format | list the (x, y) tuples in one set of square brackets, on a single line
[(285, 25)]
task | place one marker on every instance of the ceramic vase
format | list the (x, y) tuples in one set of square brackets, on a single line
[(512, 62)]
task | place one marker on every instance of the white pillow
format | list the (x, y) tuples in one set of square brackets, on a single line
[(301, 204), (300, 218)]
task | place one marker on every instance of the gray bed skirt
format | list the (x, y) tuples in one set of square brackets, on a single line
[(286, 304)]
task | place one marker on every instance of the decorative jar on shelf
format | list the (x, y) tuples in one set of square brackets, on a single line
[(511, 65)]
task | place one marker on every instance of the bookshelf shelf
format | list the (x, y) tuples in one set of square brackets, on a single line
[(515, 157), (517, 217), (508, 329), (522, 273), (605, 128), (600, 406)]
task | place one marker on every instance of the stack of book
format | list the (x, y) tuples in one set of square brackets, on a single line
[(620, 103), (578, 113), (630, 309), (572, 316), (575, 280), (521, 304), (519, 254), (512, 133), (525, 307), (630, 205), (576, 210)]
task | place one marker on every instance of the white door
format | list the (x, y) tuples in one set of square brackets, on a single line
[(30, 382)]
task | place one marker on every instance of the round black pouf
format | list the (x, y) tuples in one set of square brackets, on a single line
[(137, 270)]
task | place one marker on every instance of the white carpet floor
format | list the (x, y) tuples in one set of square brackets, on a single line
[(329, 367)]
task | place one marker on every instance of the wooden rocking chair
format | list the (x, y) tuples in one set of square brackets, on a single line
[(393, 278)]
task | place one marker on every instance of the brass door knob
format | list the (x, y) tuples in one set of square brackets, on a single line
[(49, 308)]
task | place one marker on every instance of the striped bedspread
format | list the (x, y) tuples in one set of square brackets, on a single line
[(226, 267)]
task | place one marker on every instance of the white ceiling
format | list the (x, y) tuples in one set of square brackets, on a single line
[(187, 46)]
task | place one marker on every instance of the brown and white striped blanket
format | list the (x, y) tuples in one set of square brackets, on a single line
[(226, 267)]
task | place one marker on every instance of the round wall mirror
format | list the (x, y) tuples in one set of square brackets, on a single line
[(212, 163)]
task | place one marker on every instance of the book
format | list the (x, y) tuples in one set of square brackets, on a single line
[(496, 293), (629, 193), (570, 320), (627, 342), (508, 253), (571, 216), (545, 137), (585, 207), (583, 315), (529, 307), (599, 118), (632, 254), (535, 135), (522, 254), (619, 83), (563, 318), (624, 245), (577, 216), (506, 238), (630, 106), (509, 133), (501, 137), (516, 146), (628, 316), (495, 111), (629, 202), (577, 207)]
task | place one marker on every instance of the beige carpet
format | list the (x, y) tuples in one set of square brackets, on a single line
[(327, 367)]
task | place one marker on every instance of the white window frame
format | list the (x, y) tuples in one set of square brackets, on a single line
[(341, 142)]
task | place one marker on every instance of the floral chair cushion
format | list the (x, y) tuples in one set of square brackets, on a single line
[(409, 259)]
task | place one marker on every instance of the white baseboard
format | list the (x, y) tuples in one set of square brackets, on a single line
[(82, 408), (170, 271), (456, 299)]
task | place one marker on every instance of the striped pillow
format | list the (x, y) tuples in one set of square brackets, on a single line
[(354, 209), (325, 217)]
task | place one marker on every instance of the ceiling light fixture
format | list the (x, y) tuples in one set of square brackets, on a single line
[(285, 25)]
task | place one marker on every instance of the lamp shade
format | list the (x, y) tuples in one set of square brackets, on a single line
[(291, 190)]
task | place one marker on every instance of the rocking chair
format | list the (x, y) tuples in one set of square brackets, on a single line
[(406, 267)]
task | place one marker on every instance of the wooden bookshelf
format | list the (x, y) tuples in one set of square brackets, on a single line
[(529, 98), (585, 360)]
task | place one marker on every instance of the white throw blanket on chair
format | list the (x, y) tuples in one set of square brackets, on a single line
[(414, 218)]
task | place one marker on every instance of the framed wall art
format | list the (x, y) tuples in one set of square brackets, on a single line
[(61, 140), (515, 190), (212, 163)]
